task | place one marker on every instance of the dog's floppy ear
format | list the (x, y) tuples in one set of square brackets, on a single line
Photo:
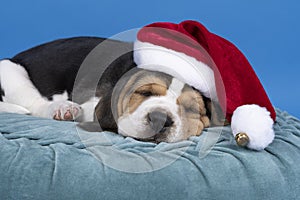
[(214, 112), (104, 115), (106, 85)]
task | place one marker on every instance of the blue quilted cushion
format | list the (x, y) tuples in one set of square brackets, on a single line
[(47, 159)]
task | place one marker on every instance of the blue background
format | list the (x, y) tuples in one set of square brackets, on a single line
[(266, 31)]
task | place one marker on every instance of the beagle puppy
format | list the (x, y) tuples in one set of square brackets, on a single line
[(49, 81)]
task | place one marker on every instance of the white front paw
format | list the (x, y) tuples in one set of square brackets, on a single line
[(64, 110)]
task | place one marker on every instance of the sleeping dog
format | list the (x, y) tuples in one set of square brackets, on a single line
[(142, 104)]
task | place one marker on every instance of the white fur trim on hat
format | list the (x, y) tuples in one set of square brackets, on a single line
[(256, 122), (185, 68)]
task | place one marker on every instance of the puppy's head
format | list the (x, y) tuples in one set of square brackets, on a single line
[(154, 106)]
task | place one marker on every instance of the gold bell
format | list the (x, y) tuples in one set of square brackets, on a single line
[(242, 139)]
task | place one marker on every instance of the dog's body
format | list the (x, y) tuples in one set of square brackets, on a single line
[(43, 81), (52, 69)]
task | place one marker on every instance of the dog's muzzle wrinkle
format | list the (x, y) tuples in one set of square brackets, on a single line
[(159, 121)]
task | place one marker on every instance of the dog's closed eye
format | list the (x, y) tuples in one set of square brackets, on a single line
[(145, 93), (151, 90)]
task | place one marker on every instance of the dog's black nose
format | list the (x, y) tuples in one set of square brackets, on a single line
[(159, 121)]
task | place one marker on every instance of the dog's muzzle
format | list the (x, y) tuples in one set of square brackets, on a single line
[(159, 121)]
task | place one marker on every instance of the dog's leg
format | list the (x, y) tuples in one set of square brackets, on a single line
[(88, 109), (18, 89), (13, 108)]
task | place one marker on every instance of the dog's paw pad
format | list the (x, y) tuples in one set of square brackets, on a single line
[(65, 110), (69, 115), (56, 115)]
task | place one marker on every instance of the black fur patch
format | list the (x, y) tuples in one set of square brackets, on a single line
[(52, 67), (1, 93)]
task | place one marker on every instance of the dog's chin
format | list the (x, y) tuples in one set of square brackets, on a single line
[(153, 139), (162, 136), (146, 134)]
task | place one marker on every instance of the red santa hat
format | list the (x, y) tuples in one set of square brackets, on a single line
[(211, 64)]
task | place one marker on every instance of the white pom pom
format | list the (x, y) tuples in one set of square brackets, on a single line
[(256, 122)]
